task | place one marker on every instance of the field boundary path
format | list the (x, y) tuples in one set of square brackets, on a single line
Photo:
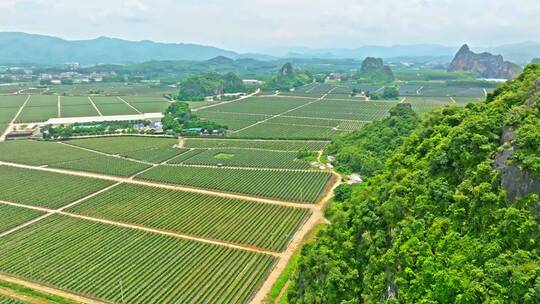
[(226, 102), (95, 106), (12, 122), (59, 106), (285, 112), (49, 290), (316, 218), (128, 104)]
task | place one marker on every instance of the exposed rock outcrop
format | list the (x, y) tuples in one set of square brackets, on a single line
[(485, 65)]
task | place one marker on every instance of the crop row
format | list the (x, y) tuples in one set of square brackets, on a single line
[(45, 189), (123, 265), (286, 131), (6, 300), (14, 216), (40, 152), (261, 105), (248, 158), (237, 221), (301, 186), (280, 145)]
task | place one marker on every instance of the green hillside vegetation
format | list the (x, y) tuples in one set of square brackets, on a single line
[(196, 88), (373, 70), (437, 225), (364, 151), (288, 78)]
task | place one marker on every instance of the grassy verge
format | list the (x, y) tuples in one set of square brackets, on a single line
[(281, 283), (33, 294)]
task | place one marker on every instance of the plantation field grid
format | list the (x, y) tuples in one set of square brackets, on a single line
[(123, 265), (276, 145), (231, 157), (300, 186), (15, 216), (247, 223)]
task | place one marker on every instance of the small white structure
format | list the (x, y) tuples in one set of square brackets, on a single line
[(354, 179), (251, 81), (91, 119), (331, 158)]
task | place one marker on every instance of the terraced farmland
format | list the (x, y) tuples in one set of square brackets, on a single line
[(279, 145), (125, 265), (45, 189), (247, 158), (105, 165), (300, 186), (243, 222), (15, 216)]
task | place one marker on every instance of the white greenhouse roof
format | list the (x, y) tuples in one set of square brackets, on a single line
[(87, 119)]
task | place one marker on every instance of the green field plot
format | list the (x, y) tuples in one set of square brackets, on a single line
[(40, 152), (37, 114), (9, 88), (200, 104), (422, 105), (111, 88), (101, 100), (105, 165), (122, 265), (76, 107), (14, 101), (351, 125), (185, 156), (151, 107), (233, 121), (463, 101), (7, 114), (15, 216), (346, 110), (74, 100), (122, 144), (286, 131), (248, 158), (155, 155), (278, 145), (43, 101), (261, 105), (45, 189), (321, 122), (3, 127), (78, 111), (109, 109), (243, 222), (6, 300), (301, 186)]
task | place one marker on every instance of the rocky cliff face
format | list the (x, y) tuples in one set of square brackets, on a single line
[(374, 69), (484, 65)]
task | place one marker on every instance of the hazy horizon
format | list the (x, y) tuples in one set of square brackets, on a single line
[(258, 26)]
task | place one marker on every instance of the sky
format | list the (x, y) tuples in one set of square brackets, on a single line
[(259, 25)]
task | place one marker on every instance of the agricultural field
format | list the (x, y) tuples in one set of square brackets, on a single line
[(234, 121), (6, 300), (423, 105), (231, 157), (40, 153), (147, 104), (123, 265), (15, 216), (76, 107), (104, 164), (45, 189), (299, 186), (346, 110), (276, 145), (155, 155), (267, 130), (123, 144), (185, 156), (112, 106), (39, 108), (243, 222), (261, 105), (111, 88)]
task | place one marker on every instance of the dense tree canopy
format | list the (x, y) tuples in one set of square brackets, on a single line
[(364, 151), (374, 70), (436, 225), (288, 78), (196, 88)]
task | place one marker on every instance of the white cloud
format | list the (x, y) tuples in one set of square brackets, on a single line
[(257, 24)]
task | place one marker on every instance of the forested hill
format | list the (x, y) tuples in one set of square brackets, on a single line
[(453, 218)]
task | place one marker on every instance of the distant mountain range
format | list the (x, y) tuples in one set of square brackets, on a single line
[(23, 48), (521, 53)]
